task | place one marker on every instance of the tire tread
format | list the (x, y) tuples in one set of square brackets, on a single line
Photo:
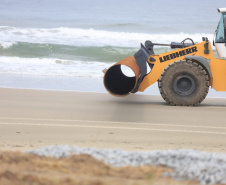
[(199, 71)]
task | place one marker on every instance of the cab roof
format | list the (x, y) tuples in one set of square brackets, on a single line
[(221, 10)]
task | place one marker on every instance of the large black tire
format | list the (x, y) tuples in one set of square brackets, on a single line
[(184, 83)]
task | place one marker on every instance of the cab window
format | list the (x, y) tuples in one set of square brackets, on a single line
[(220, 31)]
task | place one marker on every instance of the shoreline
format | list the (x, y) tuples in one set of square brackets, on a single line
[(73, 84), (80, 91)]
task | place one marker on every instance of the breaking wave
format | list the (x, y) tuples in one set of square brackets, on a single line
[(73, 51), (87, 37)]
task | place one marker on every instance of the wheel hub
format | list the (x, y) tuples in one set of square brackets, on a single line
[(184, 85)]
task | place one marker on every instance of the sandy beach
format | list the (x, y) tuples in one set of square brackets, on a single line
[(32, 119)]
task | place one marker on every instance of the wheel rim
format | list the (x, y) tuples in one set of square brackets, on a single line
[(184, 85)]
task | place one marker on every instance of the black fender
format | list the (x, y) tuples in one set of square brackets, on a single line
[(202, 61)]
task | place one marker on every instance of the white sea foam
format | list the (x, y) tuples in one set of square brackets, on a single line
[(6, 44), (79, 65), (51, 67), (88, 37)]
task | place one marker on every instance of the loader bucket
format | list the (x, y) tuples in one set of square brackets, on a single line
[(119, 84)]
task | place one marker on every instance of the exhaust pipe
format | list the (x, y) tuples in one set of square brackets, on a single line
[(118, 83)]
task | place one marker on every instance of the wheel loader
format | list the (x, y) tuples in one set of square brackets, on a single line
[(184, 74)]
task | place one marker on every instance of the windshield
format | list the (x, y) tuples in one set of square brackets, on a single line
[(220, 30)]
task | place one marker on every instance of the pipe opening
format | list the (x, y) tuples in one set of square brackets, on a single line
[(120, 80)]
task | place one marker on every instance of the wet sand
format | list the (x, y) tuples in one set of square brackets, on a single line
[(36, 118)]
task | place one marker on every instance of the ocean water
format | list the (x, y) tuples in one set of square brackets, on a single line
[(60, 41)]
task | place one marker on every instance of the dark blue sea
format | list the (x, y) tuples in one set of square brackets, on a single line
[(49, 43)]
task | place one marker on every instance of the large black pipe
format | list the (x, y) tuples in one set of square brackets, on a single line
[(116, 82)]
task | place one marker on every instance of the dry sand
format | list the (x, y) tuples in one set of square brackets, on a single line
[(17, 169), (30, 119)]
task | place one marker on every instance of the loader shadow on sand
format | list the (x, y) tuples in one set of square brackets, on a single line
[(155, 100), (139, 99), (134, 108)]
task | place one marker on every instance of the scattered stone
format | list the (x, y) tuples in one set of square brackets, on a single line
[(207, 168)]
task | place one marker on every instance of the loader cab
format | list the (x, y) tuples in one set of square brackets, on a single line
[(220, 35)]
